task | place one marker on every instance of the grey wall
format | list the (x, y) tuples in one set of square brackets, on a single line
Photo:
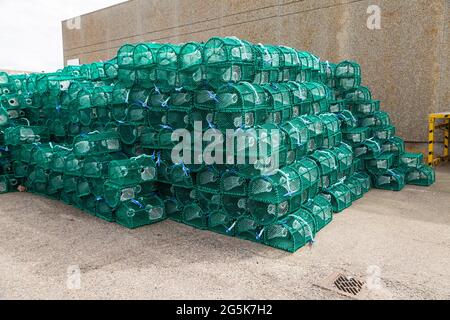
[(406, 63)]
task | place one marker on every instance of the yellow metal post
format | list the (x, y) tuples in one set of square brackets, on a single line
[(431, 121), (446, 138)]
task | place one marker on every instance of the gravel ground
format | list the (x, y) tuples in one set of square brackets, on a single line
[(399, 241)]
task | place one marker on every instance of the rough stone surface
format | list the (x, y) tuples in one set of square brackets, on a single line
[(404, 237)]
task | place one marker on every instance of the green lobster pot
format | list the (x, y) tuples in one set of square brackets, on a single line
[(55, 183), (82, 187), (411, 160), (383, 133), (59, 157), (96, 143), (340, 197), (78, 202), (364, 180), (348, 120), (266, 213), (20, 169), (359, 94), (111, 69), (69, 183), (15, 136), (208, 179), (145, 61), (53, 84), (90, 204), (310, 67), (284, 185), (125, 56), (173, 210), (298, 134), (279, 103), (328, 73), (129, 132), (393, 180), (354, 185), (209, 202), (42, 155), (247, 228), (37, 174), (167, 67), (4, 117), (97, 166), (139, 212), (127, 77), (132, 171), (191, 72), (235, 206), (240, 105), (344, 157), (185, 196), (309, 172), (318, 95), (115, 194), (291, 233), (396, 146), (194, 216), (354, 136), (377, 119), (380, 164), (328, 165), (73, 166), (268, 61), (364, 109), (321, 210), (220, 222), (228, 60), (316, 131), (8, 183), (66, 198), (332, 141), (5, 166), (369, 149), (290, 64), (301, 104), (102, 96), (103, 211), (348, 75), (420, 176), (234, 183), (181, 176)]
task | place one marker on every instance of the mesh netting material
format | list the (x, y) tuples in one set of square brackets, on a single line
[(99, 137)]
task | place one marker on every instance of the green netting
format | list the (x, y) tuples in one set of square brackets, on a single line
[(411, 160), (279, 102), (420, 176), (222, 223), (321, 210), (228, 60), (348, 75), (139, 212), (235, 206), (393, 180), (96, 143), (380, 164), (268, 60), (15, 136), (115, 194), (292, 232), (191, 72), (193, 215), (132, 171), (328, 165), (383, 133), (8, 183), (247, 228), (340, 196)]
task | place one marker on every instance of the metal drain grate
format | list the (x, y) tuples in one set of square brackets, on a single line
[(351, 287), (348, 285)]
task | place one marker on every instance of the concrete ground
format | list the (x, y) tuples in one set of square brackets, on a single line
[(402, 237)]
